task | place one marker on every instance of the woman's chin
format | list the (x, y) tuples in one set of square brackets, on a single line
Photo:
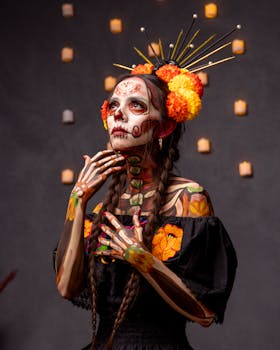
[(122, 146)]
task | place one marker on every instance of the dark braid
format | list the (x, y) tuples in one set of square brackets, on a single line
[(110, 203), (168, 156), (130, 293)]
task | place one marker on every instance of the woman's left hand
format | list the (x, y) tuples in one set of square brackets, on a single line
[(126, 244), (120, 236)]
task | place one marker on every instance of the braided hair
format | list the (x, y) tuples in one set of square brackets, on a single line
[(169, 154)]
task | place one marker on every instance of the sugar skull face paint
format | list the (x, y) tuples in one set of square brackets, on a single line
[(131, 116)]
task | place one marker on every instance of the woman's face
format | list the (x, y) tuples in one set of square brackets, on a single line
[(132, 117)]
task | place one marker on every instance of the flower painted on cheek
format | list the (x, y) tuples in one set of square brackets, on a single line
[(104, 113)]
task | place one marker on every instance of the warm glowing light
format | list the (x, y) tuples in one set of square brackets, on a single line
[(116, 25), (238, 46), (203, 77), (245, 169), (211, 10), (156, 49), (67, 10), (67, 176), (203, 145), (109, 83), (240, 107), (67, 54)]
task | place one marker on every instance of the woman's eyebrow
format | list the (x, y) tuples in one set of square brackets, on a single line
[(113, 99), (139, 97)]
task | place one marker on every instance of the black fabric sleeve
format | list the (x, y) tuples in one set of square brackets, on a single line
[(206, 262)]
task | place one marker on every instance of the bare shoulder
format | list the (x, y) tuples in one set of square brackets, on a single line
[(186, 197)]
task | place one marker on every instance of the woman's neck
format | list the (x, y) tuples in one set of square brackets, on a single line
[(142, 178), (142, 169)]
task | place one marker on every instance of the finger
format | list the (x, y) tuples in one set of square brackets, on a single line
[(101, 154), (111, 234), (87, 161), (122, 233), (118, 157), (113, 220), (138, 229), (98, 179), (109, 243), (94, 170), (112, 253)]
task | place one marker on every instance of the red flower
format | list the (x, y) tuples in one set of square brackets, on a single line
[(177, 107), (104, 113), (195, 83), (167, 72), (143, 69)]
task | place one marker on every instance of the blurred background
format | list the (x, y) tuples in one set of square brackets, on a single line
[(36, 86)]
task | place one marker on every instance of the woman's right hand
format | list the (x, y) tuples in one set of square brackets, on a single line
[(96, 171)]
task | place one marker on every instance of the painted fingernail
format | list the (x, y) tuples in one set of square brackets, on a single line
[(104, 213)]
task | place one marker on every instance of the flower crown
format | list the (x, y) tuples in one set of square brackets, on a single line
[(177, 70)]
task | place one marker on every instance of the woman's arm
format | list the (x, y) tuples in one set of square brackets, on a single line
[(69, 261), (127, 245)]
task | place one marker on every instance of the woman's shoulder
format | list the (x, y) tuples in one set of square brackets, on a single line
[(186, 198)]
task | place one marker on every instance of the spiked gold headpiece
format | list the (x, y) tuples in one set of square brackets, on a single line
[(178, 69)]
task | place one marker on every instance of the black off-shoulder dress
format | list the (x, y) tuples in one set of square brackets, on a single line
[(205, 261)]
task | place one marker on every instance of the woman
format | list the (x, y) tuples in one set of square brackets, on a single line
[(155, 254)]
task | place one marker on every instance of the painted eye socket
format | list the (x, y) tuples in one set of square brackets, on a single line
[(137, 107), (113, 106)]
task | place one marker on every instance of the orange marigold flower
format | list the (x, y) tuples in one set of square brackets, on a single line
[(177, 107), (143, 69), (87, 228), (194, 102), (167, 72), (199, 205), (104, 113), (167, 242), (195, 83), (186, 80)]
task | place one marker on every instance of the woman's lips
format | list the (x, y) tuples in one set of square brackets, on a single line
[(119, 131)]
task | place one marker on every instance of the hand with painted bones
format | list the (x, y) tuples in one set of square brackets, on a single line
[(127, 244), (124, 243), (96, 171)]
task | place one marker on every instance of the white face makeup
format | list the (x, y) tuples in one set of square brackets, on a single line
[(132, 116)]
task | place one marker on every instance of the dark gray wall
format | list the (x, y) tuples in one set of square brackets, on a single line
[(35, 86)]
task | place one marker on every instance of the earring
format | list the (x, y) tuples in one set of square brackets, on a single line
[(160, 143)]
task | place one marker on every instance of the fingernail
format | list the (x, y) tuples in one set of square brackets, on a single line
[(104, 213)]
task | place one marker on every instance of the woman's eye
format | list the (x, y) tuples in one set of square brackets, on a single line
[(138, 107), (113, 106)]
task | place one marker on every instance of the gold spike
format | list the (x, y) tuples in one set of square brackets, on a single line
[(197, 49), (161, 49), (211, 64), (176, 45), (209, 54), (188, 45), (122, 66), (143, 56)]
